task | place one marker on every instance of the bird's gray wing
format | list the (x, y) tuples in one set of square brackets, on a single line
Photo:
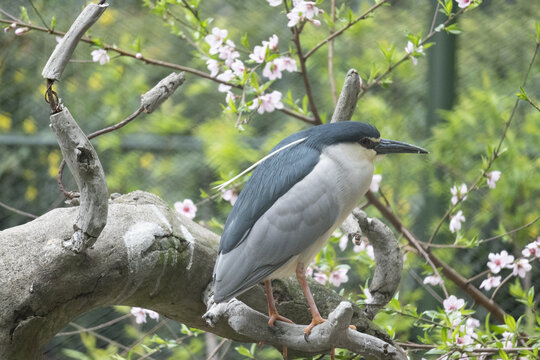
[(296, 220), (270, 180)]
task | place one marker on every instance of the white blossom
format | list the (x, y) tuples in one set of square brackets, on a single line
[(100, 55), (456, 220), (499, 261), (186, 207), (375, 181), (492, 178), (490, 282), (453, 304), (521, 268)]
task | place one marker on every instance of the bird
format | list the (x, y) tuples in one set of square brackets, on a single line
[(291, 204)]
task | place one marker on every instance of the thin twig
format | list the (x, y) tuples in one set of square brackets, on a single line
[(216, 349), (331, 54), (39, 14), (296, 39), (434, 18), (391, 67), (17, 211), (101, 326), (493, 157), (448, 271), (506, 279), (453, 246), (340, 31)]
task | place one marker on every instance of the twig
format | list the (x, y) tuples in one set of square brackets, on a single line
[(493, 157), (340, 31), (216, 349), (434, 17), (452, 246), (506, 279), (448, 271), (17, 211), (296, 39), (38, 14), (101, 326), (391, 67), (304, 118), (331, 54)]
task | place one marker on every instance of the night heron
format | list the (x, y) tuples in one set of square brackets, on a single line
[(293, 201)]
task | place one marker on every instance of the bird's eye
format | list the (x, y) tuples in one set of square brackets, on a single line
[(367, 143)]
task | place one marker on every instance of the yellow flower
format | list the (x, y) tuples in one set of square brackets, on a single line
[(29, 125), (95, 81), (31, 193), (5, 122), (146, 161)]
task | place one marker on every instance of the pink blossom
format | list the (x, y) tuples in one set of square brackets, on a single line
[(490, 282), (364, 246), (100, 55), (238, 68), (433, 280), (213, 66), (338, 276), (259, 54), (230, 97), (22, 30), (215, 39), (456, 220), (343, 241), (410, 49), (267, 102), (303, 10), (521, 268), (369, 297), (227, 75), (138, 56), (374, 187), (272, 43), (309, 271), (274, 2), (472, 324), (499, 261), (453, 304), (532, 249), (140, 314), (229, 195), (463, 3), (286, 63), (507, 339), (458, 193), (271, 70), (186, 207), (228, 53), (492, 178), (320, 277)]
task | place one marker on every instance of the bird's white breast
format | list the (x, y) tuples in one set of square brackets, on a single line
[(345, 171)]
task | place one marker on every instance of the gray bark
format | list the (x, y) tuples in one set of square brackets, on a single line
[(147, 255), (62, 53), (348, 98), (84, 164)]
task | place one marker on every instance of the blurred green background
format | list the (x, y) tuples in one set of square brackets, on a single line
[(454, 103)]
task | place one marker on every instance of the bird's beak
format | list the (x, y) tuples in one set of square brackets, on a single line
[(386, 146)]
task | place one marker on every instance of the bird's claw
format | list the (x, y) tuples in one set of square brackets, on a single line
[(275, 316), (314, 322)]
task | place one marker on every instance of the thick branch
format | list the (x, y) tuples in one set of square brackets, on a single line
[(148, 255), (348, 98), (83, 162), (62, 54)]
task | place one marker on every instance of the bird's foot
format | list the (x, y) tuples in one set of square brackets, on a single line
[(273, 316), (314, 322), (284, 352)]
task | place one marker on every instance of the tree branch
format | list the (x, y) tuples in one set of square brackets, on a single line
[(148, 255)]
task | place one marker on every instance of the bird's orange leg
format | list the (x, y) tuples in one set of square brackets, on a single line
[(272, 310), (316, 317)]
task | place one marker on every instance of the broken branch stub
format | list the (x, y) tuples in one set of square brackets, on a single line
[(348, 98), (388, 261), (62, 53), (161, 92), (84, 164)]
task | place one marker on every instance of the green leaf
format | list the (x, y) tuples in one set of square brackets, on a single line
[(522, 94), (305, 104), (510, 322), (137, 44), (453, 29), (24, 14), (244, 40), (53, 23), (243, 351), (503, 355), (538, 33)]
